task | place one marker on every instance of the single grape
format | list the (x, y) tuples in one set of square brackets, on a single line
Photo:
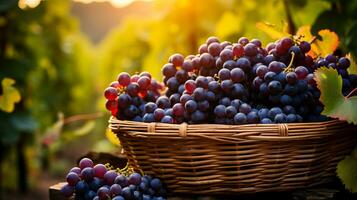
[(240, 118), (199, 94), (148, 117), (121, 180), (95, 184), (224, 74), (87, 174), (261, 71), (187, 65), (274, 87), (111, 93), (245, 108), (227, 85), (203, 105), (286, 100), (90, 195), (155, 184), (85, 162), (168, 70), (231, 111), (243, 41), (244, 64), (220, 111), (291, 77), (344, 63), (109, 177), (135, 178), (256, 42), (275, 66), (72, 178), (181, 76), (103, 193), (159, 114), (237, 75), (202, 82), (67, 190), (163, 102), (252, 117), (238, 50), (280, 118), (214, 49), (301, 72), (266, 121), (124, 79), (176, 59), (305, 46), (226, 54), (76, 170), (207, 60), (202, 49), (197, 116), (274, 111), (263, 113), (178, 109), (81, 187), (118, 198), (191, 106), (144, 82), (250, 49)]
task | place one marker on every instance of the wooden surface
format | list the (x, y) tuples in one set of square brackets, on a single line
[(332, 191)]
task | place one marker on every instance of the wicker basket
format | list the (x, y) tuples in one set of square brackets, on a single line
[(216, 159)]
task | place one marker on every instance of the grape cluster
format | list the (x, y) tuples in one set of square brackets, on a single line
[(96, 182), (127, 96), (243, 82)]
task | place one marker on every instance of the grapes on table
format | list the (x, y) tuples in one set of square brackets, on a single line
[(229, 83), (96, 182)]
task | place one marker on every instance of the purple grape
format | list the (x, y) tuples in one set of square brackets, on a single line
[(237, 75), (115, 190), (87, 174), (134, 178), (109, 177), (121, 180), (72, 178), (76, 170), (85, 162), (99, 170), (67, 190), (103, 193)]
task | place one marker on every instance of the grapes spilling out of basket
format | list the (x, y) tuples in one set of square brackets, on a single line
[(89, 181), (230, 83)]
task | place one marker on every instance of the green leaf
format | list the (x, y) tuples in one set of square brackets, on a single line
[(347, 171), (335, 104), (272, 30), (10, 95)]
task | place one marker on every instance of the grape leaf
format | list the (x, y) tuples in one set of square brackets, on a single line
[(112, 137), (320, 47), (347, 171), (272, 30), (335, 104), (353, 67), (10, 95)]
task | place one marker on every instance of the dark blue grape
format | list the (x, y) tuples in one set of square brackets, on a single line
[(290, 118), (163, 102), (289, 109), (266, 121), (191, 106), (167, 119), (343, 63), (224, 74), (227, 85), (252, 117), (245, 108), (280, 118), (199, 94), (263, 113), (230, 64), (197, 116), (274, 111), (237, 75), (244, 64), (269, 76), (67, 190), (89, 195), (231, 111), (275, 87), (240, 118), (155, 184), (95, 184), (149, 117), (286, 100), (81, 187), (203, 105), (220, 111)]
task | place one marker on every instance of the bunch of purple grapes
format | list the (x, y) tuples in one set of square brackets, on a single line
[(96, 182), (243, 82), (127, 96)]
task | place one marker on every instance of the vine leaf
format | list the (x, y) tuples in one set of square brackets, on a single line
[(335, 104), (272, 30), (353, 67), (112, 137), (10, 95), (347, 171), (327, 42)]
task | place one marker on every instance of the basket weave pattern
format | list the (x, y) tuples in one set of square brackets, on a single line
[(215, 159)]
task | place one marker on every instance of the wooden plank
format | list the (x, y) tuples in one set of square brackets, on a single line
[(55, 192)]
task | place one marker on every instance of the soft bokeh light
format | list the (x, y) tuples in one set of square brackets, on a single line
[(116, 3), (28, 3)]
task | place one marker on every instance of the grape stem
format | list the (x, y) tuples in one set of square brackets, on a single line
[(313, 39), (291, 62), (351, 93)]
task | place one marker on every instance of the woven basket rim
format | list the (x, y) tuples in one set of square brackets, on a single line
[(230, 133)]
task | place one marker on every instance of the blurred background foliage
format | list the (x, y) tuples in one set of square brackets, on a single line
[(62, 54)]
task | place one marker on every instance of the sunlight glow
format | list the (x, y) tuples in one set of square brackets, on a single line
[(28, 3), (116, 3)]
